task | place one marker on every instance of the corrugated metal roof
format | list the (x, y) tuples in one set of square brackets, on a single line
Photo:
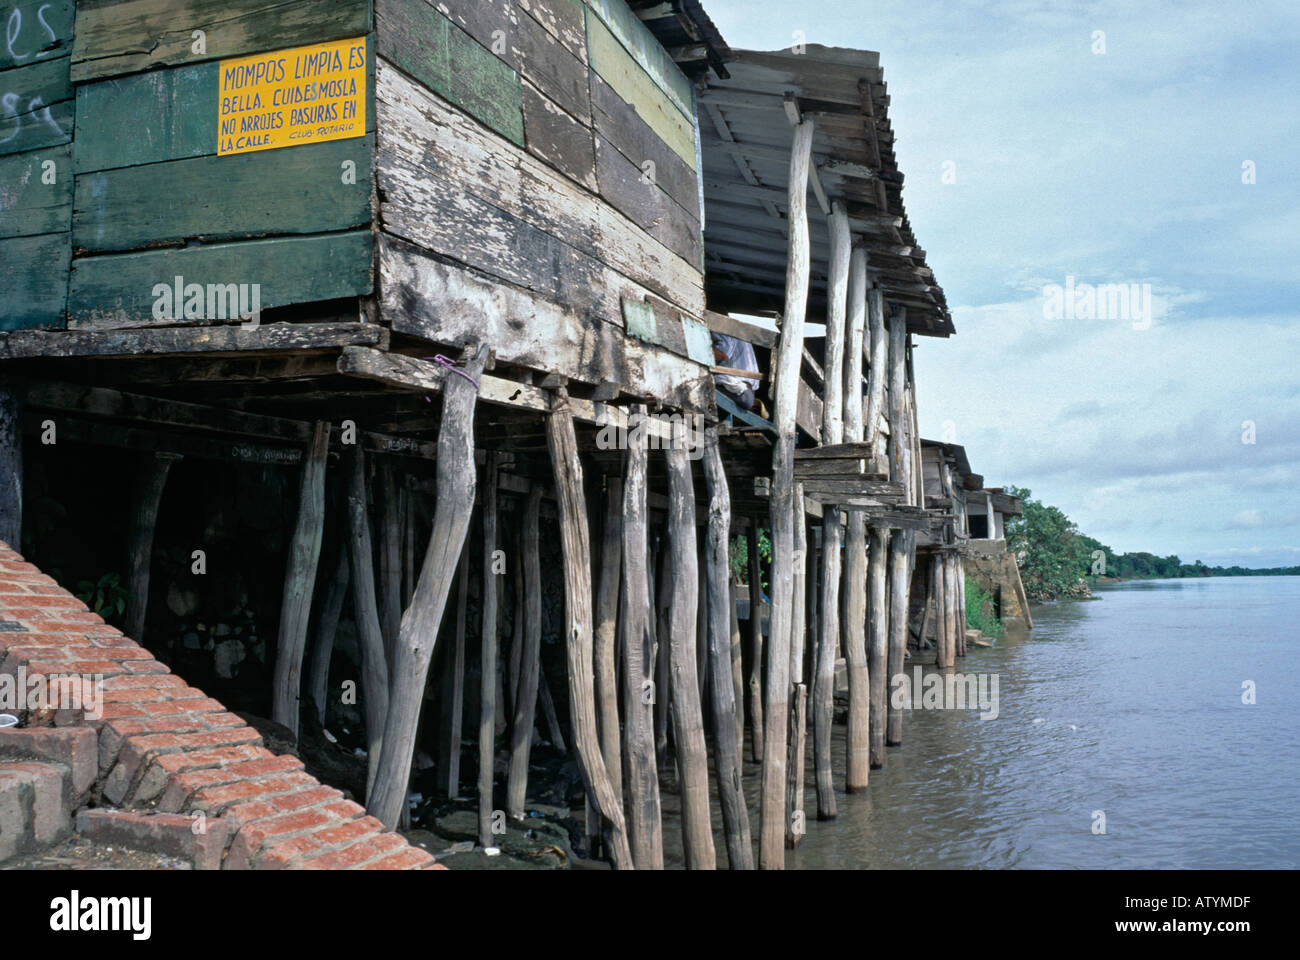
[(746, 139)]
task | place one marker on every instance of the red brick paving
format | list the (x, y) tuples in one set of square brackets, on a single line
[(170, 753)]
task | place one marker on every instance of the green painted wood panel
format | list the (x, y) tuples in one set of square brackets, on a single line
[(124, 36), (35, 106), (172, 113), (29, 203), (34, 30), (423, 43), (34, 279), (117, 289), (294, 190)]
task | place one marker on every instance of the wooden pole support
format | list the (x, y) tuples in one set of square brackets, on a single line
[(521, 731), (419, 628), (576, 543), (488, 673), (789, 360), (688, 717), (365, 609), (145, 500), (299, 580), (645, 826), (727, 747)]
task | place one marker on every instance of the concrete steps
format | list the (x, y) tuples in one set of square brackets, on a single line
[(45, 774), (34, 811)]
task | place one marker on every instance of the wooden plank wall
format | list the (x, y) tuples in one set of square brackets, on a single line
[(36, 109), (126, 106), (511, 151), (159, 202)]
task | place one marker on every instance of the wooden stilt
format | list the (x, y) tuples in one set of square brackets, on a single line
[(645, 827), (489, 675), (722, 681), (549, 713), (900, 589), (575, 538), (833, 556), (823, 697), (959, 576), (327, 626), (521, 731), (794, 821), (365, 609), (518, 632), (702, 621), (881, 620), (606, 634), (145, 499), (861, 677), (950, 606), (419, 629), (737, 673), (452, 768), (406, 505), (299, 580), (755, 647), (879, 374), (786, 382), (662, 599), (688, 716), (390, 558), (11, 463)]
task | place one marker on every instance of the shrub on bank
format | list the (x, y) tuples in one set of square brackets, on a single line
[(980, 614)]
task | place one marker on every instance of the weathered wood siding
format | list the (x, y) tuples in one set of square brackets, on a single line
[(512, 152), (36, 111)]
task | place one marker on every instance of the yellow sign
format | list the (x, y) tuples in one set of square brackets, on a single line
[(291, 97)]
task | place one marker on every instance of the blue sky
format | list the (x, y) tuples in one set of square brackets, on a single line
[(1122, 166)]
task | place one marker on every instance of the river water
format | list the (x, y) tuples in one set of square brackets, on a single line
[(1130, 705)]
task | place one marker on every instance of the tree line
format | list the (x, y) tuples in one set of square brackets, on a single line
[(1058, 560)]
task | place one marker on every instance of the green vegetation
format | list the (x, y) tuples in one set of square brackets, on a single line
[(979, 610), (1057, 560), (740, 555), (106, 596)]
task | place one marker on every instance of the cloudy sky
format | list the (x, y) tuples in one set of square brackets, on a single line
[(1112, 157)]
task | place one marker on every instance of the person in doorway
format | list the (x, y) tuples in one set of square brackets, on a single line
[(738, 355)]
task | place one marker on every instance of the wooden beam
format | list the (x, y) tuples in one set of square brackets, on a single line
[(172, 341), (115, 404)]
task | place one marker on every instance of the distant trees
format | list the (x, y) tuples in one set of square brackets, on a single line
[(1057, 560)]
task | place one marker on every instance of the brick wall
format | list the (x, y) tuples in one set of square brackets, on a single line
[(171, 753)]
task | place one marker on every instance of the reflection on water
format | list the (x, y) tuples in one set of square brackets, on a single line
[(1130, 704)]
